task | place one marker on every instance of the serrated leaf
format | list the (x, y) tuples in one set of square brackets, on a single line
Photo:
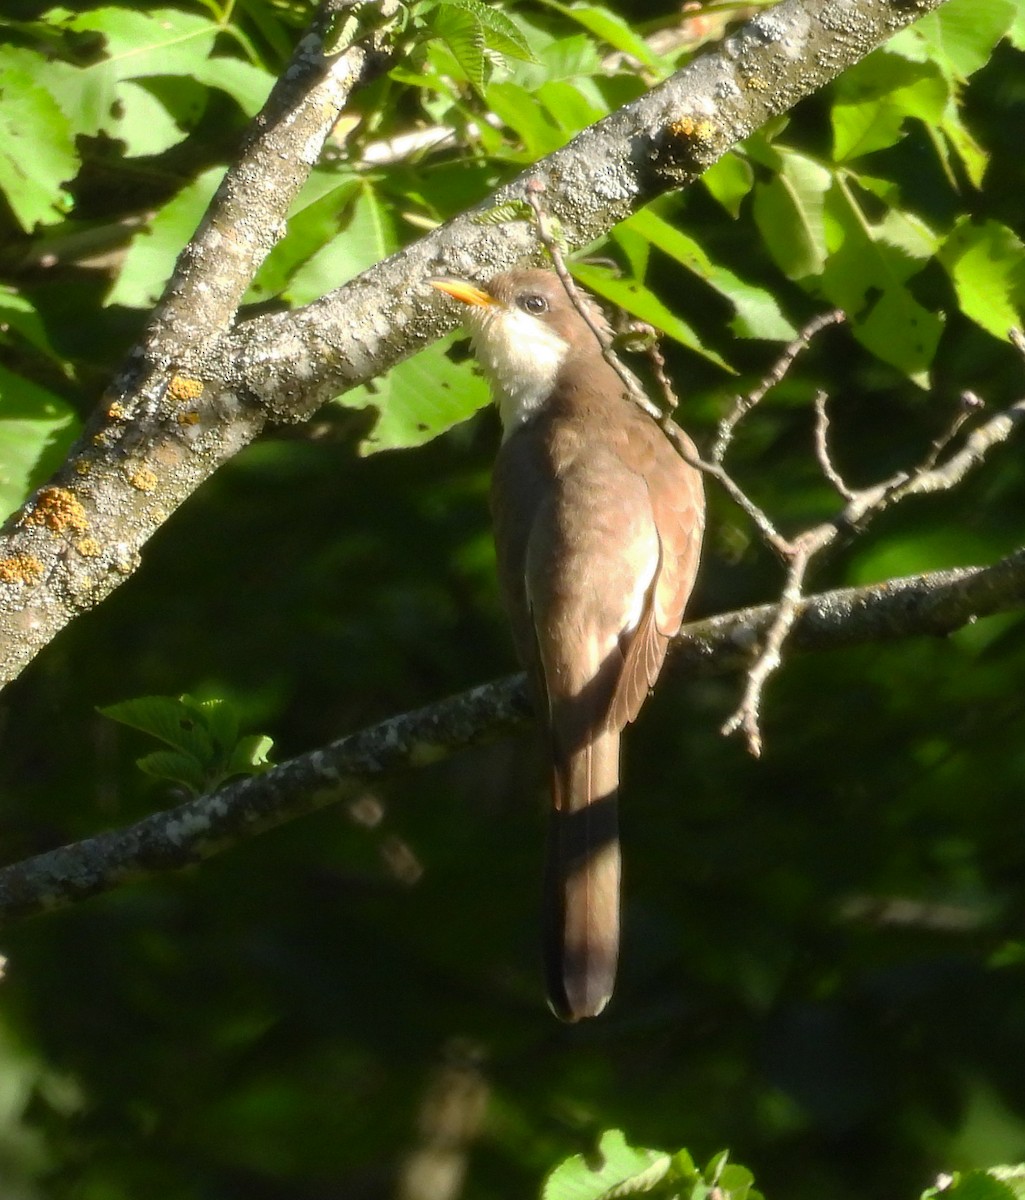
[(36, 429), (419, 399), (643, 304), (623, 1171), (152, 255), (866, 276), (174, 766), (37, 151), (501, 33), (168, 719), (511, 210), (789, 213), (986, 264), (463, 34)]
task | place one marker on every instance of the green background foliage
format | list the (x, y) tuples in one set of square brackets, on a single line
[(824, 965)]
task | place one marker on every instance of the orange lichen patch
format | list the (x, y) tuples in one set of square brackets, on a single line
[(182, 388), (117, 411), (694, 128), (59, 510), (144, 479), (83, 466), (20, 568), (88, 547), (188, 418)]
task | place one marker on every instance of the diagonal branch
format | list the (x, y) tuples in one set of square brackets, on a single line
[(933, 604), (197, 391)]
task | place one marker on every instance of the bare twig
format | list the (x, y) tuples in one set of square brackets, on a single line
[(861, 507), (743, 404), (822, 448), (932, 604)]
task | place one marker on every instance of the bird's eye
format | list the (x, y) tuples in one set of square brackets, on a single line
[(533, 304)]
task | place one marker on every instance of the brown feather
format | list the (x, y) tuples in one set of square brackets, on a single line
[(598, 525)]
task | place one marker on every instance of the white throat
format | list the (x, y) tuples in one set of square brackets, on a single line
[(520, 357)]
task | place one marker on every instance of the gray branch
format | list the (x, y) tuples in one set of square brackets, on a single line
[(936, 603), (197, 389)]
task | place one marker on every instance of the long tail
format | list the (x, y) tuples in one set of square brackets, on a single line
[(581, 903)]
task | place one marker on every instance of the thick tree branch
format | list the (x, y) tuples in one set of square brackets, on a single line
[(935, 603), (195, 392)]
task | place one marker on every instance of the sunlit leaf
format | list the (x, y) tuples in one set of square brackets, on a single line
[(643, 304), (36, 429), (614, 1169), (986, 263), (788, 210), (419, 399), (154, 251), (37, 151)]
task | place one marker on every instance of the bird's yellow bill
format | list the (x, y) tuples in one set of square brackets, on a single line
[(459, 289)]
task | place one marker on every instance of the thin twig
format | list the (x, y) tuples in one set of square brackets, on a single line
[(742, 405), (822, 448)]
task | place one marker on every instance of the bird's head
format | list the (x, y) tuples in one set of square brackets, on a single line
[(525, 329)]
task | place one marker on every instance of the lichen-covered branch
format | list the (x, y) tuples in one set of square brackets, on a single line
[(197, 389), (159, 431), (933, 604)]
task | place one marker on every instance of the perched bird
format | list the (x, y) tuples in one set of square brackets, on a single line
[(598, 524)]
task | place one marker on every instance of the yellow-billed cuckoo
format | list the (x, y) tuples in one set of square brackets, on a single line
[(598, 524)]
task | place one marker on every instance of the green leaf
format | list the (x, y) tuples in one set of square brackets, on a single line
[(19, 317), (157, 114), (218, 717), (729, 181), (163, 41), (463, 34), (788, 210), (501, 33), (643, 304), (366, 236), (151, 258), (758, 311), (866, 275), (36, 429), (419, 399), (986, 264), (246, 84), (171, 720), (616, 1170), (610, 28), (250, 756), (175, 766), (518, 108), (317, 217), (37, 151), (959, 36), (877, 96)]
